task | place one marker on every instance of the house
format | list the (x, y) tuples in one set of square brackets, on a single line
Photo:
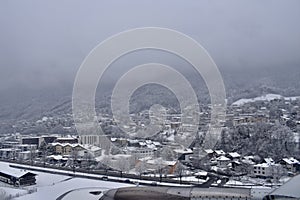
[(265, 170), (26, 147), (269, 161), (8, 153), (291, 164), (248, 119), (162, 166), (249, 160), (94, 150), (219, 153), (27, 155), (233, 156), (209, 152), (65, 148), (262, 170), (140, 152), (223, 161), (9, 144), (56, 159), (184, 154), (236, 165), (17, 177)]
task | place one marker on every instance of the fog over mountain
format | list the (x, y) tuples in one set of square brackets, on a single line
[(255, 44)]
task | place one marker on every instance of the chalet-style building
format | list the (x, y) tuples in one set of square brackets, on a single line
[(66, 148), (17, 177), (291, 164)]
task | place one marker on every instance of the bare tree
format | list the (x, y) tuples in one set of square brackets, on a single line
[(141, 167), (179, 170), (123, 165)]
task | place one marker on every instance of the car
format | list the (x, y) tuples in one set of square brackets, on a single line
[(104, 178), (127, 181), (153, 183)]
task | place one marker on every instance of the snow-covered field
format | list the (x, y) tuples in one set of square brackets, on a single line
[(51, 186), (8, 192)]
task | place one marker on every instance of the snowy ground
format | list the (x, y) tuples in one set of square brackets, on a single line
[(8, 192), (51, 186), (52, 192)]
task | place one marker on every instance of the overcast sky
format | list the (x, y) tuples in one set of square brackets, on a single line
[(43, 43)]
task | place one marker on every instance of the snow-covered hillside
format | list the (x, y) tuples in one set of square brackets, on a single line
[(267, 97)]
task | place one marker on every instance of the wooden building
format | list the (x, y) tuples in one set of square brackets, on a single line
[(17, 177)]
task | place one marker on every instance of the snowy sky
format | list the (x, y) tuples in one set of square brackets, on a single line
[(44, 42)]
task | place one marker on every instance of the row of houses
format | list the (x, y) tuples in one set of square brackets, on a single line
[(270, 169)]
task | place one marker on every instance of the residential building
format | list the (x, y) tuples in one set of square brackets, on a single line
[(291, 164), (66, 148), (17, 177)]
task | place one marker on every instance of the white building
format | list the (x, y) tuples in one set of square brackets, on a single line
[(266, 170), (140, 152)]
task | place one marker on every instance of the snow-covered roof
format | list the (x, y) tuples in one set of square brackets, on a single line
[(66, 144), (133, 141), (269, 160), (91, 147), (156, 143), (291, 161), (202, 173), (249, 157), (220, 152), (120, 156), (234, 155), (262, 165), (151, 146), (148, 141), (57, 157), (237, 162), (208, 151), (142, 143), (8, 149), (223, 158), (14, 172), (145, 158), (170, 163), (184, 151)]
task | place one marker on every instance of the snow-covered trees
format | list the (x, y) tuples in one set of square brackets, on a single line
[(265, 140), (123, 164)]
